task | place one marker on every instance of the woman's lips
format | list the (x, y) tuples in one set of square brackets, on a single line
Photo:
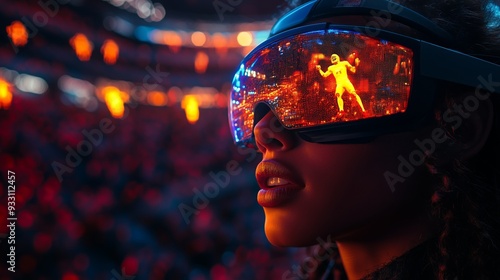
[(276, 196), (278, 184)]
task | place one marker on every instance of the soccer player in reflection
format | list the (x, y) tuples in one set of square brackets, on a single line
[(339, 71)]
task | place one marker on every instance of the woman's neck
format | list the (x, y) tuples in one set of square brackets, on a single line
[(363, 254)]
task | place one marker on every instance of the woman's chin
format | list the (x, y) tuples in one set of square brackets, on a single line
[(281, 235)]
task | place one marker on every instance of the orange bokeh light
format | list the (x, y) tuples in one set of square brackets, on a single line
[(157, 98), (244, 39), (17, 33), (198, 38), (5, 95), (114, 101), (82, 46), (110, 51), (220, 42), (190, 105), (201, 62), (173, 40)]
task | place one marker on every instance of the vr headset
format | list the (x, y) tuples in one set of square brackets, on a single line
[(347, 71)]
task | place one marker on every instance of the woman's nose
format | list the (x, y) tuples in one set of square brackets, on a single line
[(271, 136)]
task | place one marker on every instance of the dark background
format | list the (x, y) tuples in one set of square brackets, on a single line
[(114, 212)]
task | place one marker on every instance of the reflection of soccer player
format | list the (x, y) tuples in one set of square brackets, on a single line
[(339, 71)]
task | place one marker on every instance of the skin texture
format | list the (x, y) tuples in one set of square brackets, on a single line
[(345, 196), (344, 180)]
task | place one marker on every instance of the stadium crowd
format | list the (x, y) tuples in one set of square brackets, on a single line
[(100, 198)]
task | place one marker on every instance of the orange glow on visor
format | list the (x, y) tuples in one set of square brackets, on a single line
[(320, 78)]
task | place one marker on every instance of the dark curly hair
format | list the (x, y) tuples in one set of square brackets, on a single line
[(465, 199)]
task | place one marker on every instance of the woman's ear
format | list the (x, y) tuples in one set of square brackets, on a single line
[(476, 128)]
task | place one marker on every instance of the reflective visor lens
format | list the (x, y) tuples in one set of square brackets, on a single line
[(321, 78)]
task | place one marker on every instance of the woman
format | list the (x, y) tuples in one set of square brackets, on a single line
[(407, 191)]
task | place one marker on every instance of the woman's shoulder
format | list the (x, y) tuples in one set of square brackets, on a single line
[(414, 264)]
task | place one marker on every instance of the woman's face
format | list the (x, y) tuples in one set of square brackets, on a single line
[(338, 190)]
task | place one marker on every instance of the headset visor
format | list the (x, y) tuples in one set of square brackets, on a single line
[(321, 78)]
